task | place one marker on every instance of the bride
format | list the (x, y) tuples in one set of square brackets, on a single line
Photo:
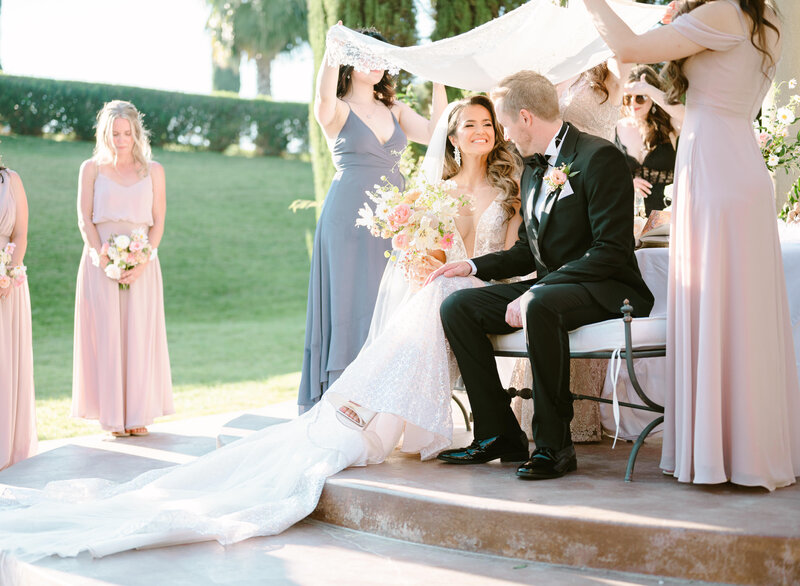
[(265, 483)]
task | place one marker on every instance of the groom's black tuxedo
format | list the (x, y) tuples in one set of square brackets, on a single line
[(586, 237), (582, 249)]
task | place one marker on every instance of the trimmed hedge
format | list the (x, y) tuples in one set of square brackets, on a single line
[(35, 106)]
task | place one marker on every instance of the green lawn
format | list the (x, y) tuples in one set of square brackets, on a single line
[(235, 265)]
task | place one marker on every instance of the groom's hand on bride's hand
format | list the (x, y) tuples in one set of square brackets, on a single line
[(514, 313), (452, 269)]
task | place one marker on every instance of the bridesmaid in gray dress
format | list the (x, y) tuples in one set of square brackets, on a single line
[(367, 130)]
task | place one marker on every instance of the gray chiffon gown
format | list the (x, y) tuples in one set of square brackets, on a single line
[(347, 262)]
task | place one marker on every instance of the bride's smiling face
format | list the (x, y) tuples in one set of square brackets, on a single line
[(475, 132)]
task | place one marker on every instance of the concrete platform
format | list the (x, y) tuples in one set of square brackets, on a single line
[(495, 528)]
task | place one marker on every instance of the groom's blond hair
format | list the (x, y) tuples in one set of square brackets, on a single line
[(527, 90)]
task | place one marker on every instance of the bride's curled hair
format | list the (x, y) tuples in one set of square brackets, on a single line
[(104, 151), (502, 164)]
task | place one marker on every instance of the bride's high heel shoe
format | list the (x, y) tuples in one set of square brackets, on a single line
[(354, 416)]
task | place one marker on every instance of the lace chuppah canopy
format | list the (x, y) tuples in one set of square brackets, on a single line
[(540, 35)]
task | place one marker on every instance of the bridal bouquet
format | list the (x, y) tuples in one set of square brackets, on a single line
[(125, 252), (8, 275), (418, 220)]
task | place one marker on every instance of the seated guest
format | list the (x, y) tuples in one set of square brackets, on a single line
[(17, 406), (647, 135)]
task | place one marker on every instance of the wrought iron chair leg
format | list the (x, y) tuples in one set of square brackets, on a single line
[(639, 441), (463, 411)]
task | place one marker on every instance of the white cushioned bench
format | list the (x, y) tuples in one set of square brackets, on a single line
[(626, 337)]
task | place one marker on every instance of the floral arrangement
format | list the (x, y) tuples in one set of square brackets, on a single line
[(8, 275), (418, 220), (557, 177), (772, 132), (779, 147), (125, 252)]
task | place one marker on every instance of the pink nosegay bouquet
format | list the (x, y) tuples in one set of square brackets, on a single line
[(418, 220), (11, 275), (125, 252)]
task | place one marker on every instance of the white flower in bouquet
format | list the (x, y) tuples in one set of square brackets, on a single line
[(139, 235), (18, 275), (113, 271), (773, 160), (792, 83), (122, 242), (784, 116)]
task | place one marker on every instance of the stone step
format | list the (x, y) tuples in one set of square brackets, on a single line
[(590, 518)]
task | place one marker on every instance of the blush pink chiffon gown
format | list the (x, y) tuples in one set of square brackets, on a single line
[(121, 372), (733, 403), (17, 405)]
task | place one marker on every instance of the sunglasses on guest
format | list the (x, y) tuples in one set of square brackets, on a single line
[(627, 98)]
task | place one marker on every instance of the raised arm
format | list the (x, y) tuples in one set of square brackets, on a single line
[(418, 128), (328, 109), (663, 43)]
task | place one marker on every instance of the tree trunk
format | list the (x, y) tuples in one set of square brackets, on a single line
[(263, 70), (225, 76)]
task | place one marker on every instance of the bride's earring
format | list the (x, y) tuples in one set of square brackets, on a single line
[(653, 109), (457, 155)]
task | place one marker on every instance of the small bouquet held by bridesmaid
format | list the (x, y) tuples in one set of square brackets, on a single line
[(8, 275), (125, 252), (418, 220)]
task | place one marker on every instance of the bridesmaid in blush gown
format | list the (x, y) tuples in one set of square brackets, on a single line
[(121, 373), (17, 406), (366, 129), (733, 400)]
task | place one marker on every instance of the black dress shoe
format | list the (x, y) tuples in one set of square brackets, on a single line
[(486, 450), (547, 463)]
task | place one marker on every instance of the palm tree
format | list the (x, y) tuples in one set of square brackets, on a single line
[(259, 28)]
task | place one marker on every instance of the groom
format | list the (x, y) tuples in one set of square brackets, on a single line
[(577, 234)]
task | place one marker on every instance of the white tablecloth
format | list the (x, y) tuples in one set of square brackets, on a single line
[(654, 264)]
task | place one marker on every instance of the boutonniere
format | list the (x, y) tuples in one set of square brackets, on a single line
[(557, 177)]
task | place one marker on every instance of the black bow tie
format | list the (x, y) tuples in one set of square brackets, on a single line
[(537, 162)]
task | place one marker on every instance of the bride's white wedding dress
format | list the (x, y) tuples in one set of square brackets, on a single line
[(266, 482)]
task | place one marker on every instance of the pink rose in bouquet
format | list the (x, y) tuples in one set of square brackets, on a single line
[(400, 241), (5, 281)]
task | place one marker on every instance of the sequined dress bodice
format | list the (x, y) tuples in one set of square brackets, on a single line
[(579, 105)]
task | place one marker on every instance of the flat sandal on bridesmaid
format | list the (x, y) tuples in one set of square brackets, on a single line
[(354, 416), (138, 431), (120, 433)]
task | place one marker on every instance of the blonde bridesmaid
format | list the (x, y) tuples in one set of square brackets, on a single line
[(17, 407), (121, 372)]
